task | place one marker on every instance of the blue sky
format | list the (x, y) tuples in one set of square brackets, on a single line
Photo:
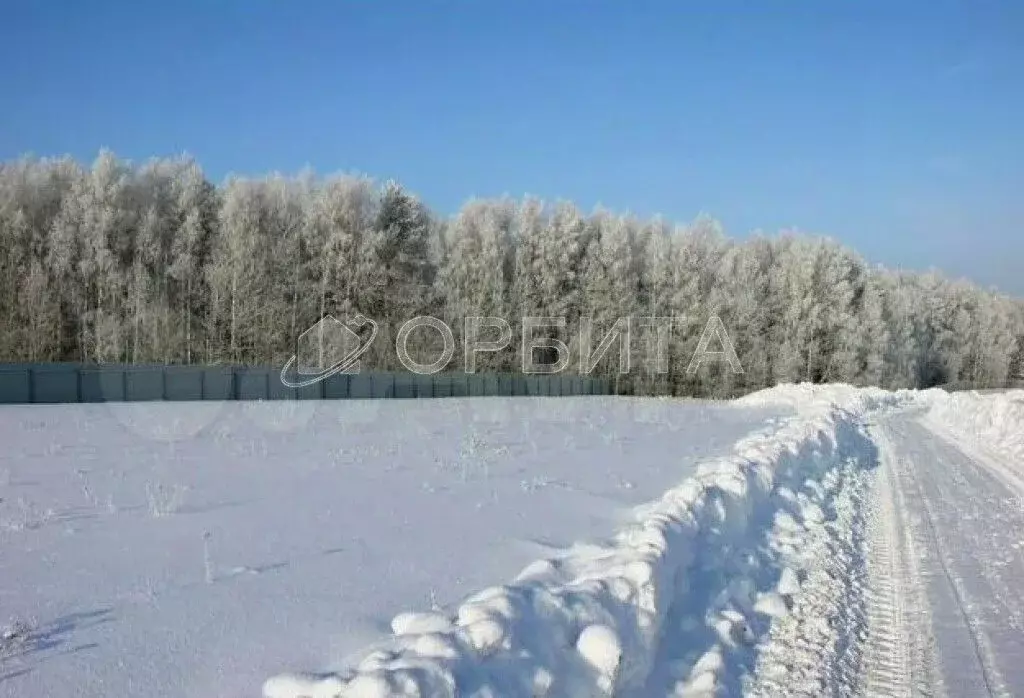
[(896, 127)]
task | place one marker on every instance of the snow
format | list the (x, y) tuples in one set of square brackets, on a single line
[(194, 549), (991, 419), (802, 541), (964, 559)]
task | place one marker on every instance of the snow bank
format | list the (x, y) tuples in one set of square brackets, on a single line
[(683, 596), (993, 420), (809, 398)]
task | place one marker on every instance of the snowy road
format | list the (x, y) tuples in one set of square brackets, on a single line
[(958, 531)]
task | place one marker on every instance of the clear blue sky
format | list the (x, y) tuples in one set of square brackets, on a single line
[(896, 127)]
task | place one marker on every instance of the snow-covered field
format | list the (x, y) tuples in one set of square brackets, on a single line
[(802, 541), (324, 520)]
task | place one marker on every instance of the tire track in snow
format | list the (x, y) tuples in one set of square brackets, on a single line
[(886, 665), (990, 464), (922, 650), (991, 681)]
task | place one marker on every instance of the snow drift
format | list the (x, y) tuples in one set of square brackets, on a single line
[(696, 595), (992, 419)]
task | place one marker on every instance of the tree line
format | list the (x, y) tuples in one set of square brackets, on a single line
[(152, 263)]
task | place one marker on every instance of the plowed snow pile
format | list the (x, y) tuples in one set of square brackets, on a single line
[(742, 577), (993, 419)]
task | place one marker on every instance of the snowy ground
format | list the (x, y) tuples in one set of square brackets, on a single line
[(325, 520), (802, 541), (955, 469)]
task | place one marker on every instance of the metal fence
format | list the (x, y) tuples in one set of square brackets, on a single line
[(68, 382)]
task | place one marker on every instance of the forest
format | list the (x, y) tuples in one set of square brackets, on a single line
[(152, 263)]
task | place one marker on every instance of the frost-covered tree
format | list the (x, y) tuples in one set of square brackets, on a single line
[(474, 279), (194, 212), (238, 274), (695, 268), (344, 208), (610, 280), (741, 300), (395, 274), (659, 310)]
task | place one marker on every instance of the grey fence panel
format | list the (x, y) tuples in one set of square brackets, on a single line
[(55, 384), (405, 385), (102, 384), (15, 385), (491, 386), (252, 383), (144, 383), (424, 386), (316, 391), (442, 385), (502, 384), (520, 386), (360, 386), (383, 385), (182, 382), (217, 383), (336, 387), (276, 390)]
